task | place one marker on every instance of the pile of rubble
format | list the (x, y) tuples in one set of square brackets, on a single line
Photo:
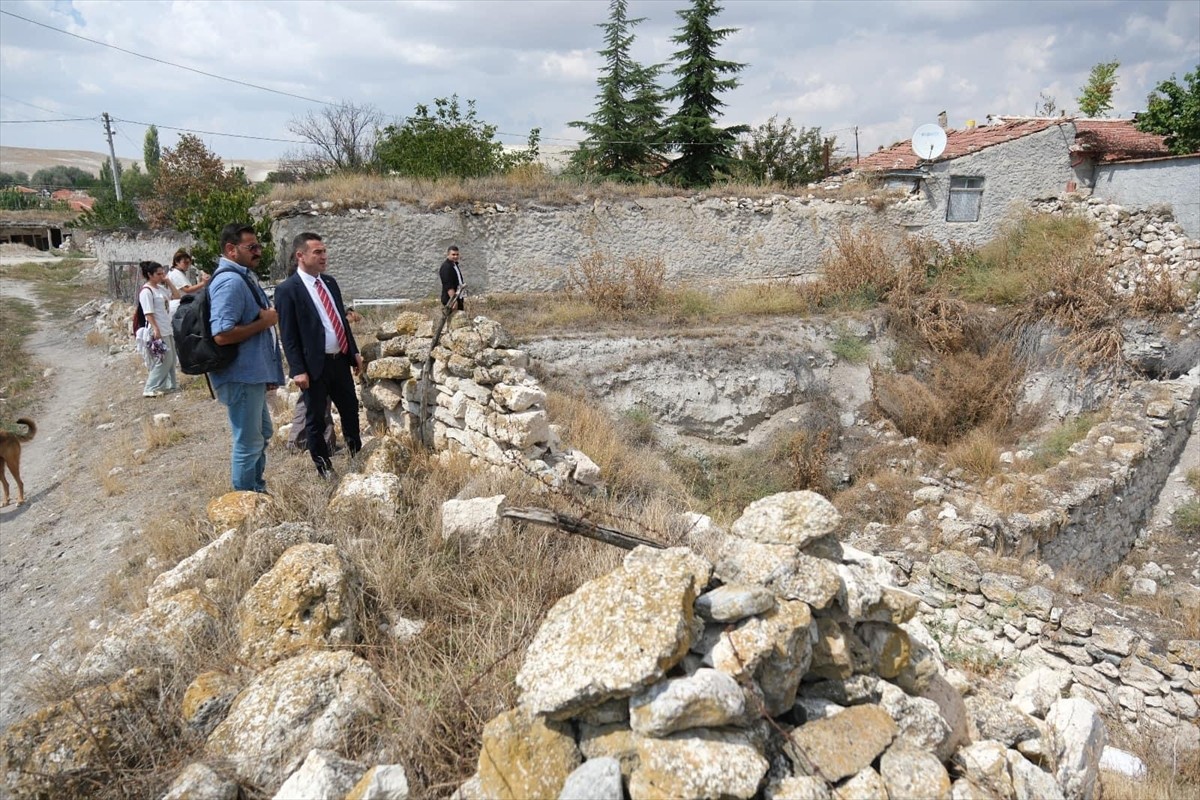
[(792, 667)]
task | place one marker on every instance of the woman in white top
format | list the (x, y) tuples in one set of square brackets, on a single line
[(154, 298), (179, 281)]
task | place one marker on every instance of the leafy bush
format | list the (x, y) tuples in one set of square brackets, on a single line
[(448, 142), (783, 154), (205, 215)]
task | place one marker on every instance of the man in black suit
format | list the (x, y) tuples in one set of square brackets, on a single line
[(451, 277), (320, 347)]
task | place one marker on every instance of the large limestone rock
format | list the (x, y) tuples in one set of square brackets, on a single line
[(319, 699), (595, 779), (65, 749), (775, 649), (794, 518), (985, 765), (378, 490), (164, 632), (614, 635), (1031, 782), (705, 699), (191, 572), (734, 602), (201, 782), (697, 764), (307, 600), (956, 569), (993, 718), (782, 568), (231, 509), (322, 775), (472, 521), (908, 772), (523, 757), (1077, 738), (840, 746), (1037, 691), (207, 699), (382, 782)]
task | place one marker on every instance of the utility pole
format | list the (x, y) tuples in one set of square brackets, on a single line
[(116, 166), (855, 144)]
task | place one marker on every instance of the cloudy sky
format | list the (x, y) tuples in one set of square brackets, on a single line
[(883, 67)]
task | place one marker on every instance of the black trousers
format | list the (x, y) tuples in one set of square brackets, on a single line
[(336, 384)]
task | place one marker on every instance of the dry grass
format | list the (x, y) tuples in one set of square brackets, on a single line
[(978, 453), (635, 284), (961, 392), (19, 377), (161, 436), (55, 282)]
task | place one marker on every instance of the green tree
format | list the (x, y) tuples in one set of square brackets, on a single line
[(1095, 98), (1174, 111), (205, 215), (448, 142), (784, 154), (187, 169), (705, 151), (17, 178), (63, 177), (151, 152), (109, 214), (624, 130)]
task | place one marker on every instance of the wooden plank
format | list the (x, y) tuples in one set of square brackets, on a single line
[(580, 527)]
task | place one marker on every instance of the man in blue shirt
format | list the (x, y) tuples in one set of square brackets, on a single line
[(242, 316)]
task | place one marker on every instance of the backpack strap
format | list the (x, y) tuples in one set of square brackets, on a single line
[(255, 290)]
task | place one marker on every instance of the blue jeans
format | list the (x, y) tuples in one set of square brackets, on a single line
[(251, 424)]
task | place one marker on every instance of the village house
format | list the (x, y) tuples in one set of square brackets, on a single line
[(965, 193)]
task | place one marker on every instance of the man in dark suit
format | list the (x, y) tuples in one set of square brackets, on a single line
[(451, 277), (320, 347)]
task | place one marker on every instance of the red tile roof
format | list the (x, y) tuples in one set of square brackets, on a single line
[(1108, 140), (958, 143), (1104, 140)]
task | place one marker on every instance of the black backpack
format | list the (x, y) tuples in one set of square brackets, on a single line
[(194, 345), (139, 316)]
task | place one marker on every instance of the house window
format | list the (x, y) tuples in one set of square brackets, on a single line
[(966, 194)]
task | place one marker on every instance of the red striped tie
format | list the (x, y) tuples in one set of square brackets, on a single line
[(338, 330)]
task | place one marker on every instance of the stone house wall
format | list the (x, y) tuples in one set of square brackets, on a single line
[(1168, 181)]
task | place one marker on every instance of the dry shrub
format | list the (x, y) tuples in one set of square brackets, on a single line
[(978, 453), (962, 391), (859, 265), (1160, 293), (884, 497), (161, 436), (807, 455), (637, 283)]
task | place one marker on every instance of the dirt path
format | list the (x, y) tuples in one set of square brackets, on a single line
[(54, 548)]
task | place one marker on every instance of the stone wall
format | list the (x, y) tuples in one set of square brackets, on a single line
[(136, 246), (1082, 514), (1149, 684), (1140, 184), (479, 399), (394, 250)]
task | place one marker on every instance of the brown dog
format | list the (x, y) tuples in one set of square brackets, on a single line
[(10, 456)]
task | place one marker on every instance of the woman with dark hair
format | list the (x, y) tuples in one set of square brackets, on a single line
[(155, 340), (179, 278)]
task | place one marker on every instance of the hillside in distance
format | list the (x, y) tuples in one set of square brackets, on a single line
[(30, 159)]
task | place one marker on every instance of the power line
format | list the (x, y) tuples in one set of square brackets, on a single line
[(210, 133), (168, 63), (31, 105), (27, 121)]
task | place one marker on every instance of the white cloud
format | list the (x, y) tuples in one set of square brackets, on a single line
[(573, 66)]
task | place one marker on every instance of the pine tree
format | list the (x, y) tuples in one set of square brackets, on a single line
[(624, 129), (706, 151)]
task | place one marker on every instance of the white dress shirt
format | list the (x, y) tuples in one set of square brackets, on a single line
[(310, 282)]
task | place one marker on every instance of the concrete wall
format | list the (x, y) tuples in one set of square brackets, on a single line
[(1141, 184), (141, 246), (1014, 173), (395, 251)]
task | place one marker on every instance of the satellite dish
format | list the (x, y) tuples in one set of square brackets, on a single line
[(929, 141)]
